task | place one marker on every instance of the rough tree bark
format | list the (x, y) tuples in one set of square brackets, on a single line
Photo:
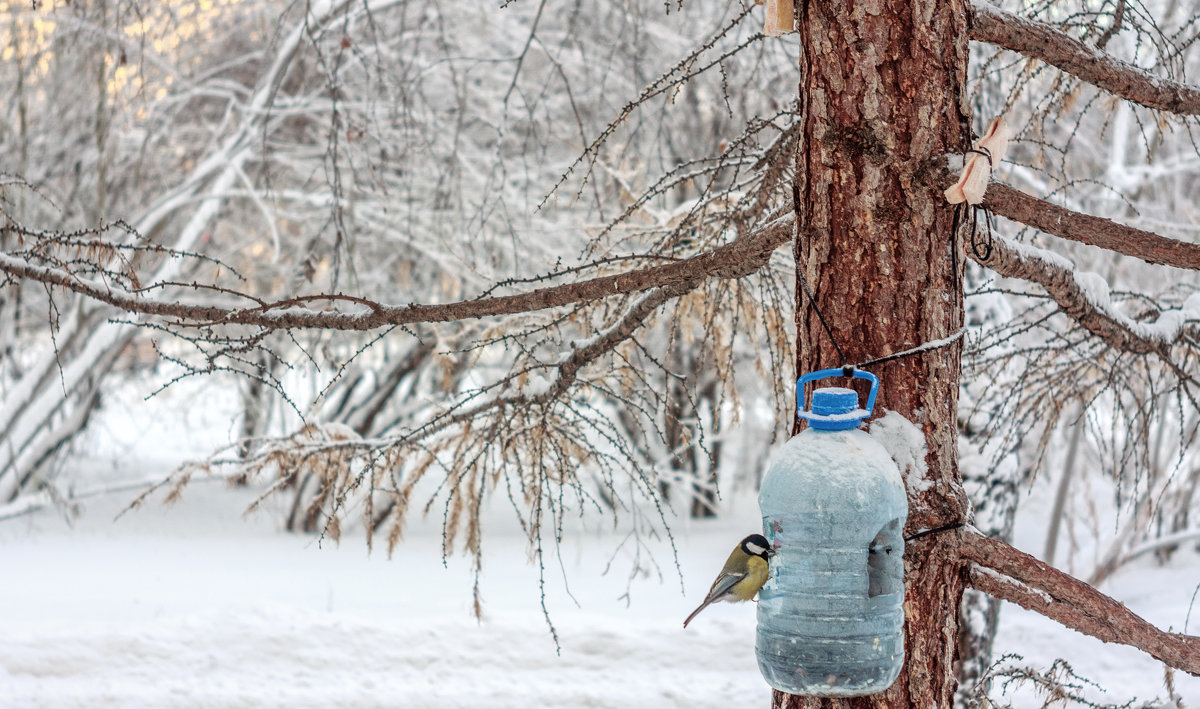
[(880, 100)]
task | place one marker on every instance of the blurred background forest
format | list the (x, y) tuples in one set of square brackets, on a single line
[(416, 151)]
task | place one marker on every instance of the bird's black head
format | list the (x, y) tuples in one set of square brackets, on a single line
[(757, 545)]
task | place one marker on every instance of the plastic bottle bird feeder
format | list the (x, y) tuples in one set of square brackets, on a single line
[(831, 617)]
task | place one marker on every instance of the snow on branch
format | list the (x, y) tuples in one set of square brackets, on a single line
[(1002, 571), (1087, 229), (1085, 297), (741, 257), (1041, 41)]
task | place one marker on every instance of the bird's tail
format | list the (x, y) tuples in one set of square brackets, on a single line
[(696, 612)]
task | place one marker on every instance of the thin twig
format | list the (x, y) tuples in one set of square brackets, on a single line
[(1004, 572)]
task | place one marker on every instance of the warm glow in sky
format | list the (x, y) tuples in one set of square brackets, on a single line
[(140, 35)]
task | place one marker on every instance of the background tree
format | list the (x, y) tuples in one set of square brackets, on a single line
[(341, 165)]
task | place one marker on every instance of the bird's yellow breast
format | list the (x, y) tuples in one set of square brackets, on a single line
[(756, 576)]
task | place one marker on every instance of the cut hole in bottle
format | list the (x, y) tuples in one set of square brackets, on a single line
[(885, 561)]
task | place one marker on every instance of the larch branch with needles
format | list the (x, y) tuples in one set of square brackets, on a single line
[(742, 256), (1039, 40)]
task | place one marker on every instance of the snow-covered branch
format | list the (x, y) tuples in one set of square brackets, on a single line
[(1087, 229), (1002, 571), (1085, 297), (740, 257), (1041, 41)]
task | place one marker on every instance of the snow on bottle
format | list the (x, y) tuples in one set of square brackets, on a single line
[(831, 617)]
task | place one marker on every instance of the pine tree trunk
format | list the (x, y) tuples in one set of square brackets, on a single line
[(880, 100)]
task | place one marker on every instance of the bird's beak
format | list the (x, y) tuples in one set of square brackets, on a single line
[(772, 552)]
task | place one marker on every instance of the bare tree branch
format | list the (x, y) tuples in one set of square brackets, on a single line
[(1084, 297), (580, 356), (1087, 229), (1004, 572), (1041, 41), (740, 257)]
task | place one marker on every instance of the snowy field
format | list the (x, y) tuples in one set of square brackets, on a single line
[(194, 606)]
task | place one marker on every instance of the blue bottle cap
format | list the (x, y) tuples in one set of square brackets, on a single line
[(835, 408), (830, 401)]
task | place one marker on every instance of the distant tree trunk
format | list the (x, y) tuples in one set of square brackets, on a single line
[(880, 99), (995, 495), (704, 496), (1061, 494), (255, 406)]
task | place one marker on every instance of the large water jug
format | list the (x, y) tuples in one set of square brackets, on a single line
[(831, 617)]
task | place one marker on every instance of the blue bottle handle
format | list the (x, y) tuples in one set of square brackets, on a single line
[(829, 373)]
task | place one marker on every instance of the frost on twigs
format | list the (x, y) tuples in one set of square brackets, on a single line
[(604, 400), (978, 164), (1011, 682), (1087, 298)]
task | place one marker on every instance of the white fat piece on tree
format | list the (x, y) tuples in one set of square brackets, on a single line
[(977, 168), (781, 17)]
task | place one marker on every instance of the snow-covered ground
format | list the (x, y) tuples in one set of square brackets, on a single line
[(194, 606)]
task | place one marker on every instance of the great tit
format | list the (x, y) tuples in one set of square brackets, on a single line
[(744, 573)]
